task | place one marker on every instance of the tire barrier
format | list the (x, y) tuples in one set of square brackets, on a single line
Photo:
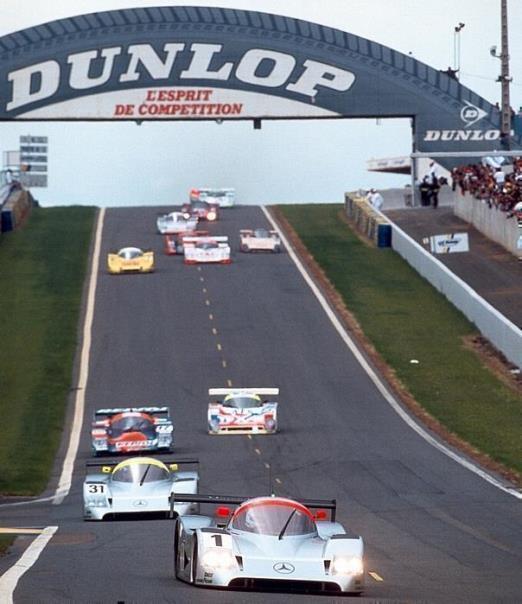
[(368, 221), (15, 209)]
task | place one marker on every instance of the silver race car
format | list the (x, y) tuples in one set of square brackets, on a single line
[(259, 240), (138, 485), (175, 222), (267, 542)]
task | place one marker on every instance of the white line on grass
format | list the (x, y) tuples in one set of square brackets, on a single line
[(9, 580), (64, 483), (377, 380)]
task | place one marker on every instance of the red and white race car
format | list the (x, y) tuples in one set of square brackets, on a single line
[(206, 249), (201, 210), (242, 411), (173, 244)]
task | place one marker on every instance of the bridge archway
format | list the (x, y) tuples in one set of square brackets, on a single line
[(194, 63)]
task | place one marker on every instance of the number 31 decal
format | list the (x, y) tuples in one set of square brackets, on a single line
[(96, 488)]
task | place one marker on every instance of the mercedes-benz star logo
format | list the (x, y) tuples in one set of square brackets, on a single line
[(284, 568), (139, 503)]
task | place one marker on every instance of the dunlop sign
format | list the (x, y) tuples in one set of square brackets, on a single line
[(92, 71), (197, 63)]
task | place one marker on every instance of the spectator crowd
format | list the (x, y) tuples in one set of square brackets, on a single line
[(499, 188)]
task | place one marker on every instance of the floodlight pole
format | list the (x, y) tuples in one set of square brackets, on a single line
[(504, 78)]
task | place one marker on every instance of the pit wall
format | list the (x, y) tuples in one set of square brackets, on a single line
[(493, 223), (501, 332), (15, 209)]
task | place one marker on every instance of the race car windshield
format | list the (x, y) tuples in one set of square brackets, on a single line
[(141, 473), (273, 519), (242, 402), (215, 193), (130, 254), (207, 245), (262, 233), (132, 424), (199, 205)]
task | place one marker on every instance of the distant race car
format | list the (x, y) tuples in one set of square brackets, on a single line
[(174, 243), (253, 240), (242, 411), (224, 198), (206, 249), (131, 430), (267, 542), (139, 485), (130, 260), (202, 209), (176, 222)]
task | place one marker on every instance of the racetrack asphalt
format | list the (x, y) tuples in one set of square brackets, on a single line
[(434, 531)]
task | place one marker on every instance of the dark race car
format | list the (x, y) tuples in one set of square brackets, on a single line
[(201, 209), (131, 430)]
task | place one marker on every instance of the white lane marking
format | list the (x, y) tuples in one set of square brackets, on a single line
[(27, 502), (12, 530), (381, 387), (64, 483), (229, 383), (9, 580)]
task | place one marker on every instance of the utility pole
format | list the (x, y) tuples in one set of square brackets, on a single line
[(504, 78)]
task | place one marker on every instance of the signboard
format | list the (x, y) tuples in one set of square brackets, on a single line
[(197, 63), (33, 160), (448, 244)]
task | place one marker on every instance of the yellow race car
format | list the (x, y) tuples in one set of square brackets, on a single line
[(130, 260)]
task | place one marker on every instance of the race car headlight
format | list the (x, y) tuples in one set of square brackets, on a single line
[(218, 558), (347, 565), (97, 502)]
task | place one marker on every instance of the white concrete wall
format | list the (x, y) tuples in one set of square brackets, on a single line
[(501, 332), (491, 222)]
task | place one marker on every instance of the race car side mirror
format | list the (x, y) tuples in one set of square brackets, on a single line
[(173, 467), (106, 469), (321, 515)]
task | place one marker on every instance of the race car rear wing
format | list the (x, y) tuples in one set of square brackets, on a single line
[(112, 463), (218, 239), (239, 391), (324, 504), (157, 411)]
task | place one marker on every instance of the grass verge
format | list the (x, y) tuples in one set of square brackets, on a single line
[(5, 543), (42, 270), (406, 319)]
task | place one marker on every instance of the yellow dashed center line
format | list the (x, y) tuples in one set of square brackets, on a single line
[(211, 316), (249, 436), (279, 481), (204, 290), (202, 279), (267, 465), (199, 268), (214, 331), (224, 363), (218, 346), (258, 451), (375, 576), (207, 302)]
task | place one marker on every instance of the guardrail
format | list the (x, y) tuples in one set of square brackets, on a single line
[(368, 220), (493, 325)]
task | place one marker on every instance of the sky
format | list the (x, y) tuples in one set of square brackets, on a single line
[(120, 164)]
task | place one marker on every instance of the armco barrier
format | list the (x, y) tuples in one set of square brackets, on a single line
[(493, 223), (501, 332), (368, 221)]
